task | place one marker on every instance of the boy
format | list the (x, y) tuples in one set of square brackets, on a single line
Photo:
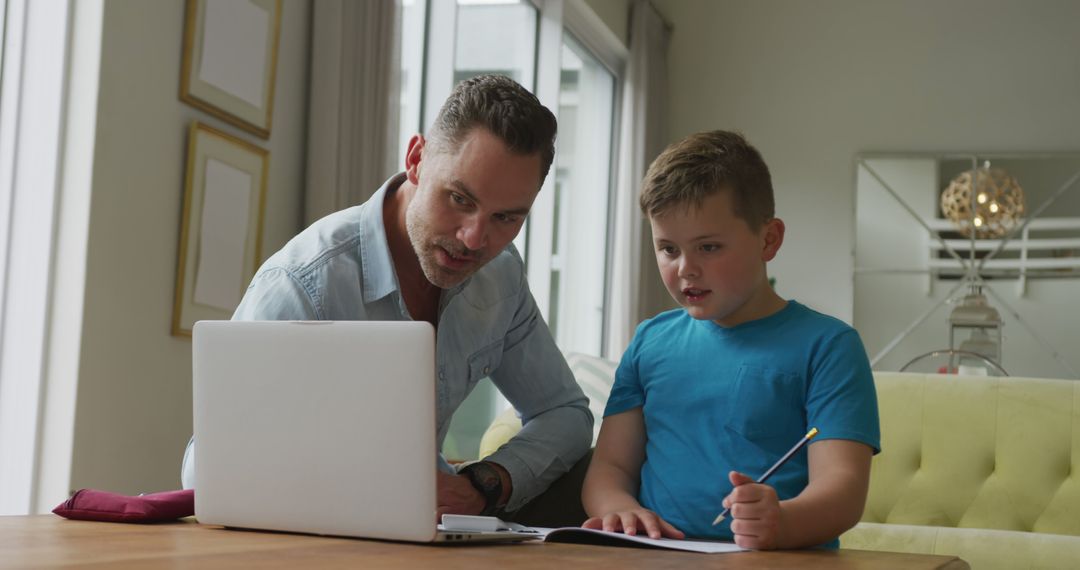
[(708, 396)]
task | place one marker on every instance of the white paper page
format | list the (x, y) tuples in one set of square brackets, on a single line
[(220, 273), (706, 547), (234, 48)]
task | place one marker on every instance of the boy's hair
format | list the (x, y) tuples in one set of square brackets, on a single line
[(503, 107), (708, 163)]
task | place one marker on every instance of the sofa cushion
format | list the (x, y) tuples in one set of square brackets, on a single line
[(594, 375), (977, 452), (978, 547)]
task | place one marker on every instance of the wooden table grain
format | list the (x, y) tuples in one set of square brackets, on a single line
[(47, 541)]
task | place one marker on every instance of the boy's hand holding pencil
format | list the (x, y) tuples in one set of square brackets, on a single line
[(754, 505), (755, 512)]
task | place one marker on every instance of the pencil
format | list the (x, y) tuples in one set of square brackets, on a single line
[(791, 452)]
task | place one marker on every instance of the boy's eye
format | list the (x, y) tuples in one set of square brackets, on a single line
[(668, 250), (710, 247)]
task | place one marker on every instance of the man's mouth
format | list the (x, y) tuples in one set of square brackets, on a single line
[(454, 260)]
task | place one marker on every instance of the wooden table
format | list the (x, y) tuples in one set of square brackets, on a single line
[(49, 541)]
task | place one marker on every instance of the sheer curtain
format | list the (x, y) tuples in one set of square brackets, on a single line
[(642, 136), (352, 118)]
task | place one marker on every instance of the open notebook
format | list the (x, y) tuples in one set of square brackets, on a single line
[(577, 535)]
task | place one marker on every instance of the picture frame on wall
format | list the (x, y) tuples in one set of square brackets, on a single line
[(230, 60), (221, 226)]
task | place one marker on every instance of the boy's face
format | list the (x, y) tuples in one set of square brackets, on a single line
[(712, 263)]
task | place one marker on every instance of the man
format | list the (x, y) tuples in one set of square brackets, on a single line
[(434, 244)]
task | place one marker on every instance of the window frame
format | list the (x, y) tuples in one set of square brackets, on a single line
[(34, 90), (573, 17)]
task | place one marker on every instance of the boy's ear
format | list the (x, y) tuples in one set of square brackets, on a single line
[(413, 157), (772, 234)]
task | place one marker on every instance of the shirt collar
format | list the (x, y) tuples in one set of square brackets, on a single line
[(379, 276)]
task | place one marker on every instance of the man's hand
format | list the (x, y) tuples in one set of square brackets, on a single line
[(630, 521), (456, 495), (755, 513)]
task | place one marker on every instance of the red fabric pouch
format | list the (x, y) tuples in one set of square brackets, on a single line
[(91, 505)]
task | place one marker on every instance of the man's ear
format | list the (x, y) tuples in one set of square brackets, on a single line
[(413, 157), (773, 237)]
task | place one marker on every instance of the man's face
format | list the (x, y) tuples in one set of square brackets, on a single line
[(711, 262), (469, 204)]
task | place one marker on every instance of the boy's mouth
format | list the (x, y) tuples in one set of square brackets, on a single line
[(693, 294)]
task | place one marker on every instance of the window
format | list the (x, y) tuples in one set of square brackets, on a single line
[(413, 17), (565, 241), (580, 224), (32, 90), (495, 38)]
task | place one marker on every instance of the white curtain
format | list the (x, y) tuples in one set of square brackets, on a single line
[(642, 134), (352, 117)]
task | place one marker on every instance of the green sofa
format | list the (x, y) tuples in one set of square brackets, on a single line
[(987, 469)]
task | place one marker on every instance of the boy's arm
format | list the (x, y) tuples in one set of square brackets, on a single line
[(611, 484), (832, 502), (609, 493)]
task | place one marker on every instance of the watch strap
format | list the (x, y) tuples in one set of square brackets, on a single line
[(485, 478)]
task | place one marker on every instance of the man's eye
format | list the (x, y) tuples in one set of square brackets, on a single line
[(458, 198), (506, 219)]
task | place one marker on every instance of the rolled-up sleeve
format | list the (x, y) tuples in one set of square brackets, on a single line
[(535, 378)]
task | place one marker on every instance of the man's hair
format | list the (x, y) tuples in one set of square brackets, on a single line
[(503, 107), (707, 163)]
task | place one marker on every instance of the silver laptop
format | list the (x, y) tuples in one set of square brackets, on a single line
[(322, 427)]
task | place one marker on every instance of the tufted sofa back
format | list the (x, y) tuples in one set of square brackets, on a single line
[(977, 452)]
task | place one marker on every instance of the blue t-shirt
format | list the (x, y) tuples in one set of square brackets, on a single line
[(718, 399)]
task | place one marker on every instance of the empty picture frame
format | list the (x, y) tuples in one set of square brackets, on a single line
[(230, 60), (221, 228)]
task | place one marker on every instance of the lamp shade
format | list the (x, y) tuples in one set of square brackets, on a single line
[(988, 199)]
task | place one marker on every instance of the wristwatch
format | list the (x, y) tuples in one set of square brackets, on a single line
[(486, 479)]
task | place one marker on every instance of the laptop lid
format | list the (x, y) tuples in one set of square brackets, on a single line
[(324, 427)]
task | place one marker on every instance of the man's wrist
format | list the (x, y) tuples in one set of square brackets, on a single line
[(507, 483), (486, 479)]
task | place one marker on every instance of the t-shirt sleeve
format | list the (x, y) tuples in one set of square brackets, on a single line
[(842, 401), (627, 391)]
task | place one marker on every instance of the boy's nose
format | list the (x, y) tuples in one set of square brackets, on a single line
[(687, 268)]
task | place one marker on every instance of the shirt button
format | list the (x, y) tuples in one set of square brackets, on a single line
[(487, 369)]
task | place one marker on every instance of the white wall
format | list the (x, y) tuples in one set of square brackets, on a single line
[(615, 14), (133, 412), (813, 83)]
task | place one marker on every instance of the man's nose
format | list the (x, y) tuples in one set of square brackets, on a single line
[(473, 233)]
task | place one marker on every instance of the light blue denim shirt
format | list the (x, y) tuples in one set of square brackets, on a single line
[(340, 269)]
